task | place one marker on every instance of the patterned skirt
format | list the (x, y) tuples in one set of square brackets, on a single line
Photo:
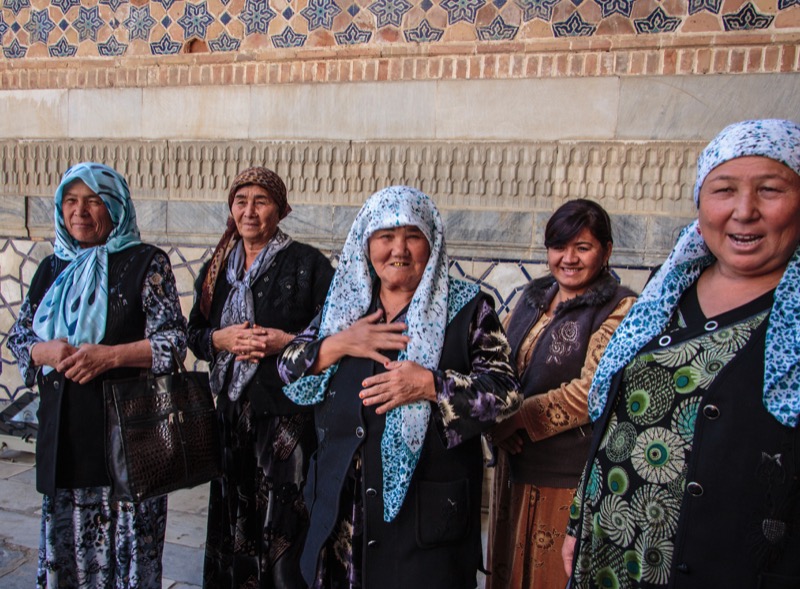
[(257, 518), (526, 532), (90, 542)]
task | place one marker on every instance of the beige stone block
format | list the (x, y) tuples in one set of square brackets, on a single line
[(33, 114), (196, 112), (530, 110), (114, 113)]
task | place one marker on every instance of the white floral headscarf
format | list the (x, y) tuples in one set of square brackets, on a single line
[(773, 138), (436, 300)]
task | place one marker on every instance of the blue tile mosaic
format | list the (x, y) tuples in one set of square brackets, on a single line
[(784, 4), (610, 7), (497, 31), (288, 38), (224, 43), (39, 26), (166, 22), (352, 35), (15, 27), (65, 5), (63, 25), (195, 20), (88, 23), (353, 9), (320, 14), (139, 23), (747, 19), (114, 4), (112, 47), (462, 10), (166, 3), (15, 50), (62, 49), (426, 5), (711, 6), (389, 12), (657, 22), (3, 26), (225, 18), (424, 33), (16, 5), (499, 3), (256, 16), (542, 9), (114, 24), (165, 46), (288, 13), (574, 26)]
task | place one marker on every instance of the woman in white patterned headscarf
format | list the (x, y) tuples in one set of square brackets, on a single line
[(406, 366), (103, 306), (693, 478)]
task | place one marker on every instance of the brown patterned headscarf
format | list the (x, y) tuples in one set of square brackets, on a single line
[(258, 176)]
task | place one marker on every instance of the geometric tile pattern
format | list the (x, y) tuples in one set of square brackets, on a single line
[(502, 279), (69, 28)]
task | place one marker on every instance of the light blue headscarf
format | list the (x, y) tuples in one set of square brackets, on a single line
[(772, 138), (76, 305), (436, 301)]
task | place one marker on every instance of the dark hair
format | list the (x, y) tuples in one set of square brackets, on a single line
[(572, 217)]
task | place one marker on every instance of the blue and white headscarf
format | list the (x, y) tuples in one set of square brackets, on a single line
[(436, 300), (778, 140), (76, 305)]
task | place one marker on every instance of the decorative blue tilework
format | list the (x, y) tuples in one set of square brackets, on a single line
[(462, 10), (65, 5), (610, 7), (16, 5), (3, 26), (542, 9), (39, 26), (88, 23), (352, 35), (63, 25), (499, 3), (712, 6), (114, 4), (426, 5), (15, 27), (112, 47), (15, 50), (498, 30), (195, 20), (166, 3), (139, 23), (389, 12), (225, 18), (166, 22), (574, 26), (288, 13), (320, 14), (424, 33), (288, 38), (62, 49), (114, 24), (224, 43), (784, 4), (353, 10), (657, 22), (165, 46), (747, 19), (256, 16)]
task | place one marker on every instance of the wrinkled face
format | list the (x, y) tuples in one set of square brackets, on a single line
[(85, 215), (255, 213), (578, 263), (399, 256), (749, 215)]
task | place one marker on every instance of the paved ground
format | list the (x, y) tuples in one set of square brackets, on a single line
[(20, 512)]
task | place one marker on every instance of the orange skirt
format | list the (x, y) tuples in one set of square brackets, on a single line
[(526, 531)]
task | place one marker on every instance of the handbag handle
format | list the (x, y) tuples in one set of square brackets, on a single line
[(179, 367)]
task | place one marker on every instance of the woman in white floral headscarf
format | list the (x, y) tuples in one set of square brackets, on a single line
[(693, 478), (406, 367)]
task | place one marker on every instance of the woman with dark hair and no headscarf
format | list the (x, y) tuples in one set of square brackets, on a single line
[(693, 478), (259, 287), (405, 367), (103, 306)]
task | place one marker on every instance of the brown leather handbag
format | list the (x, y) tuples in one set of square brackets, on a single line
[(161, 433)]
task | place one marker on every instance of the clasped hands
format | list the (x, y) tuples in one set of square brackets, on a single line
[(79, 364), (250, 343)]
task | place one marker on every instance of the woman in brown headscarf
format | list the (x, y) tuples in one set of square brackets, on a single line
[(257, 290)]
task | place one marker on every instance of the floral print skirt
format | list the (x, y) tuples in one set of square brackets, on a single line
[(88, 541)]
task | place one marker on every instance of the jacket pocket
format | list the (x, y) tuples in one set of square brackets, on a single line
[(442, 512)]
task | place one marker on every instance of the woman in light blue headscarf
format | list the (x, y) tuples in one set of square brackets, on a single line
[(405, 366), (693, 478), (103, 306)]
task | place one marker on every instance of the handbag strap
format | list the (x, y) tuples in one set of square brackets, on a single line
[(179, 367)]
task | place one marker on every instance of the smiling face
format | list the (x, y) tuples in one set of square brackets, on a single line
[(255, 213), (399, 256), (85, 215), (578, 263), (749, 216)]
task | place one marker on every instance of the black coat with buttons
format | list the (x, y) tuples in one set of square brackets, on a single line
[(286, 297), (739, 522)]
